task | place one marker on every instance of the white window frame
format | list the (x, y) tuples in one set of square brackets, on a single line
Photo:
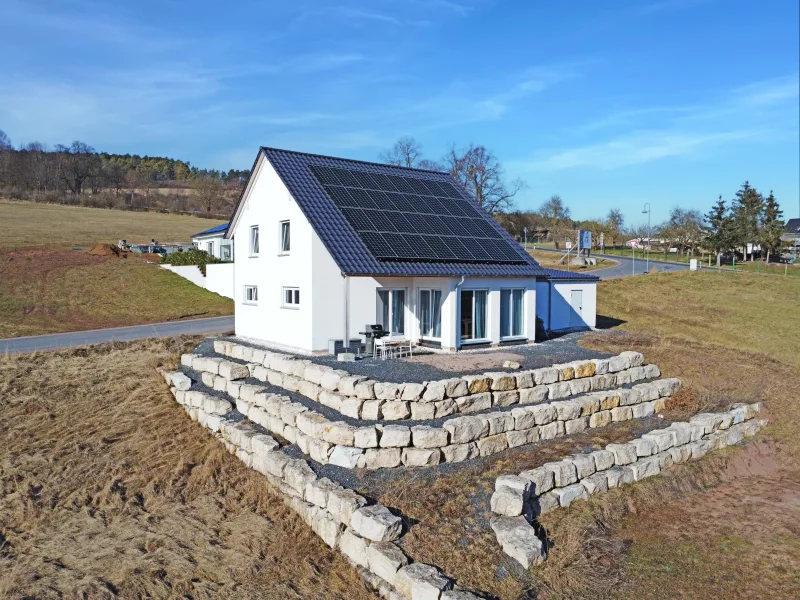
[(487, 316), (254, 234), (424, 334), (253, 300), (210, 247), (510, 307), (288, 227), (379, 318), (294, 302)]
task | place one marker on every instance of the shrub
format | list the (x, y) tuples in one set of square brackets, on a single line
[(201, 258)]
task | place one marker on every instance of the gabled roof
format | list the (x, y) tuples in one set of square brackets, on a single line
[(793, 226), (218, 229), (346, 247)]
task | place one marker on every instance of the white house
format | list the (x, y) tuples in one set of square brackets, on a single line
[(326, 245), (213, 241)]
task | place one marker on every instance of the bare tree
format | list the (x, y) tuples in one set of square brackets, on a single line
[(615, 223), (5, 142), (684, 229), (554, 211), (479, 171), (406, 152), (209, 193)]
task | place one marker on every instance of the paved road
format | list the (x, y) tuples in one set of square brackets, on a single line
[(116, 334), (627, 267)]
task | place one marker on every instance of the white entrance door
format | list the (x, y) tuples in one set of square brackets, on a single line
[(576, 303)]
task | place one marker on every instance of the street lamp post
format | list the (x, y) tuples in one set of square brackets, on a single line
[(525, 230), (649, 241)]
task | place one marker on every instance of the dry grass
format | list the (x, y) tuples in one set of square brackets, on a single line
[(31, 225), (744, 311), (107, 490), (54, 291)]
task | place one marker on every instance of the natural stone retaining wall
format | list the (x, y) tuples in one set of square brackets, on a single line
[(376, 446), (365, 533), (519, 498), (359, 397)]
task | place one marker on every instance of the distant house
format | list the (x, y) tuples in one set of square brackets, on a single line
[(325, 246), (213, 241), (792, 235)]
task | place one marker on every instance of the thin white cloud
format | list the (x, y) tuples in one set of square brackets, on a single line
[(669, 5)]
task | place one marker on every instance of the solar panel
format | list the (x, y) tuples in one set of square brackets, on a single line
[(406, 218)]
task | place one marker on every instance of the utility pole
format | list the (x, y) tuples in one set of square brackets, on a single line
[(649, 236), (525, 230)]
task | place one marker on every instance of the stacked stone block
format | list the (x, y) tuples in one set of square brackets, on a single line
[(388, 445), (365, 533), (518, 499), (359, 397)]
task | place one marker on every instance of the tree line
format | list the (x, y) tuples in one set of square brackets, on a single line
[(78, 174)]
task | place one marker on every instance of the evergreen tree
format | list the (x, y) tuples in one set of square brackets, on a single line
[(746, 213), (772, 225), (719, 229)]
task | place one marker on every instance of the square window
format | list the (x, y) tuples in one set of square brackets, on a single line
[(285, 238), (291, 297), (254, 240), (251, 294)]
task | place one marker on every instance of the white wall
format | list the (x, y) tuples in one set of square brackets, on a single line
[(190, 272), (219, 279), (266, 204), (560, 312)]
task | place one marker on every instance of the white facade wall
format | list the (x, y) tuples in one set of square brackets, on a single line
[(219, 279), (190, 272), (555, 304)]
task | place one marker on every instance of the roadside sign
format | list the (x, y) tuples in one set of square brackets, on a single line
[(569, 245), (584, 239)]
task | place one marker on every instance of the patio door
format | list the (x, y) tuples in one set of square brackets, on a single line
[(391, 310), (430, 314), (473, 314)]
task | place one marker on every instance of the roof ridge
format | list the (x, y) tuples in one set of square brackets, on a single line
[(355, 160)]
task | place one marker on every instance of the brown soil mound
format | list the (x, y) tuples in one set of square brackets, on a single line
[(104, 250)]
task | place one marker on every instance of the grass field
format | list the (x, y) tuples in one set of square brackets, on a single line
[(550, 260), (53, 285), (31, 225), (54, 291), (108, 490)]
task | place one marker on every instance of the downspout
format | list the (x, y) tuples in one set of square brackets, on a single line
[(549, 306), (346, 338), (458, 312)]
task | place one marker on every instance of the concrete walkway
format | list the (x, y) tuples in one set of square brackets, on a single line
[(116, 334)]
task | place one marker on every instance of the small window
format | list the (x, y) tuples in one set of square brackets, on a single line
[(291, 297), (210, 248), (254, 240), (286, 245), (250, 294)]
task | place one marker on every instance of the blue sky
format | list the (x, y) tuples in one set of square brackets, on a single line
[(609, 104)]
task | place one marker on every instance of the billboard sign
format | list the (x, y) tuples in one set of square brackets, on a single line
[(585, 239)]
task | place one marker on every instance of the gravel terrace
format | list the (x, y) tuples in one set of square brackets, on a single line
[(429, 366)]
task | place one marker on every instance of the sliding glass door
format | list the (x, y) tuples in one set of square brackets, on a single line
[(430, 313), (473, 314), (391, 310), (511, 313)]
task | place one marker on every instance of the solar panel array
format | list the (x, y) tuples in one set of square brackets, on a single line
[(409, 219)]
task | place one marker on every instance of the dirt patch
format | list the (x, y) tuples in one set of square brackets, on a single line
[(466, 362), (104, 250)]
